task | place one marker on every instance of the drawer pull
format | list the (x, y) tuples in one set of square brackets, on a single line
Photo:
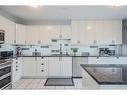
[(42, 70), (16, 69), (16, 66), (42, 64)]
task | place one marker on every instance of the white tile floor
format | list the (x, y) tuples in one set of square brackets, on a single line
[(39, 84)]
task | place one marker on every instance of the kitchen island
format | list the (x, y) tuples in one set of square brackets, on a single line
[(104, 76)]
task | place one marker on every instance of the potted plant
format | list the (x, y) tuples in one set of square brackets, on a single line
[(75, 50)]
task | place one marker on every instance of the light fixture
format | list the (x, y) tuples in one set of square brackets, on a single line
[(35, 6)]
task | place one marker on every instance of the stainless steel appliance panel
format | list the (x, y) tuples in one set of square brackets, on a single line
[(77, 70)]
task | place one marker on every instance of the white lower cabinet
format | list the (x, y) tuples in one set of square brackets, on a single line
[(54, 66), (35, 66), (60, 67), (29, 67), (16, 69), (66, 67)]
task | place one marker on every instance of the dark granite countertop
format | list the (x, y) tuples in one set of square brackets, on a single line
[(107, 74), (70, 56)]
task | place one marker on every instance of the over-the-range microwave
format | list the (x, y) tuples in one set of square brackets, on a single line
[(2, 36)]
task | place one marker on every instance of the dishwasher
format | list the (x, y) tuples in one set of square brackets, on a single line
[(77, 70)]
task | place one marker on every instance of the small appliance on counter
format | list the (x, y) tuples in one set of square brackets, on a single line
[(6, 54), (36, 53), (106, 52)]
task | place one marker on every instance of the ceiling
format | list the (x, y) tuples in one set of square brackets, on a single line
[(28, 14)]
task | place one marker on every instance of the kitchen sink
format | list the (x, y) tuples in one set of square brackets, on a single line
[(60, 55)]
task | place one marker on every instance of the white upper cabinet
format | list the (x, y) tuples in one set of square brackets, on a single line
[(32, 34), (45, 35), (20, 34), (109, 32), (103, 32), (97, 32), (89, 32), (83, 32), (54, 31), (117, 31), (75, 37), (65, 31), (9, 28)]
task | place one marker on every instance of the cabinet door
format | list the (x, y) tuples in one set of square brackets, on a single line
[(54, 67), (20, 34), (89, 36), (54, 31), (42, 67), (100, 35), (66, 67), (65, 31), (107, 32), (32, 34), (75, 32), (117, 31), (10, 33), (45, 34), (29, 67)]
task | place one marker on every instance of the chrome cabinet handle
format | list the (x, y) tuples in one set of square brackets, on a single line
[(35, 59), (60, 58)]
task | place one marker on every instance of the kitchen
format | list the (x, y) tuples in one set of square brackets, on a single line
[(55, 47)]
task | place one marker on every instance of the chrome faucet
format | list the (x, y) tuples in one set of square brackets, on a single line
[(60, 48)]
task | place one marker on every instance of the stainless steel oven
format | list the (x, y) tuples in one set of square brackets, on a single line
[(5, 74), (2, 36)]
